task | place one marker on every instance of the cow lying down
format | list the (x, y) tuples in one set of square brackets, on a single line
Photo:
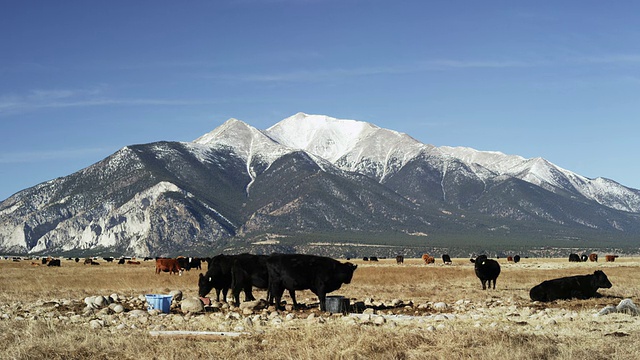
[(579, 287)]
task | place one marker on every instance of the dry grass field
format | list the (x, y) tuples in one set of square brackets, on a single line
[(41, 310)]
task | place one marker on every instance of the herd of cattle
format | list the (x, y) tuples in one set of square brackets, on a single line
[(322, 275)]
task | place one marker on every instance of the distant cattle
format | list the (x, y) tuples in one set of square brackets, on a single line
[(446, 259), (373, 258), (399, 259), (579, 286), (593, 257), (574, 258), (133, 262), (584, 257), (365, 259), (516, 259), (108, 259), (428, 259), (319, 274), (487, 270), (121, 261), (610, 258), (77, 259), (189, 263), (88, 261), (94, 263), (168, 265), (510, 258), (54, 262)]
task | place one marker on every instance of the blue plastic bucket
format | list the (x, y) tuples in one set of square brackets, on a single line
[(159, 302)]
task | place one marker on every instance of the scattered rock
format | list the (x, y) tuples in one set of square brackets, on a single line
[(176, 295), (627, 306), (193, 305)]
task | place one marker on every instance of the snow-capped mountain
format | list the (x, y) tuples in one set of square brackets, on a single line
[(306, 178)]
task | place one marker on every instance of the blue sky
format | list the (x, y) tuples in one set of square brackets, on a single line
[(553, 79)]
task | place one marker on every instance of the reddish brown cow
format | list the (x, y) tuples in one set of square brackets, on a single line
[(428, 259), (610, 258), (168, 265), (593, 257), (510, 258)]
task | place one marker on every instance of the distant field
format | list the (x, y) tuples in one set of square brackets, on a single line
[(501, 322)]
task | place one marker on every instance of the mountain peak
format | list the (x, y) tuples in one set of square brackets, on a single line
[(230, 126), (321, 135)]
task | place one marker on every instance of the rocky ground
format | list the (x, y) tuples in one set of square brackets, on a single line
[(118, 313)]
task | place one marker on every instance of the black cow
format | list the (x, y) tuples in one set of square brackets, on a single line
[(190, 263), (486, 270), (578, 286), (236, 272), (373, 258), (108, 259), (319, 274), (399, 259), (574, 258), (584, 257), (54, 262), (446, 258), (218, 277), (516, 259)]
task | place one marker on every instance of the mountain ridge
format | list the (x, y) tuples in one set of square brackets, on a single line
[(309, 177)]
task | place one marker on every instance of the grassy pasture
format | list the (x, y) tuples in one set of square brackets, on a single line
[(501, 322)]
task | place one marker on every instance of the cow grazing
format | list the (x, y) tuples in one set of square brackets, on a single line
[(610, 258), (133, 262), (54, 262), (399, 259), (487, 270), (446, 259), (218, 277), (579, 286), (319, 274), (574, 258), (168, 265), (428, 259), (373, 258)]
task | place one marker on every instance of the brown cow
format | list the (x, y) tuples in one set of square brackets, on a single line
[(510, 258), (131, 262), (610, 258), (168, 265), (428, 259), (593, 257)]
